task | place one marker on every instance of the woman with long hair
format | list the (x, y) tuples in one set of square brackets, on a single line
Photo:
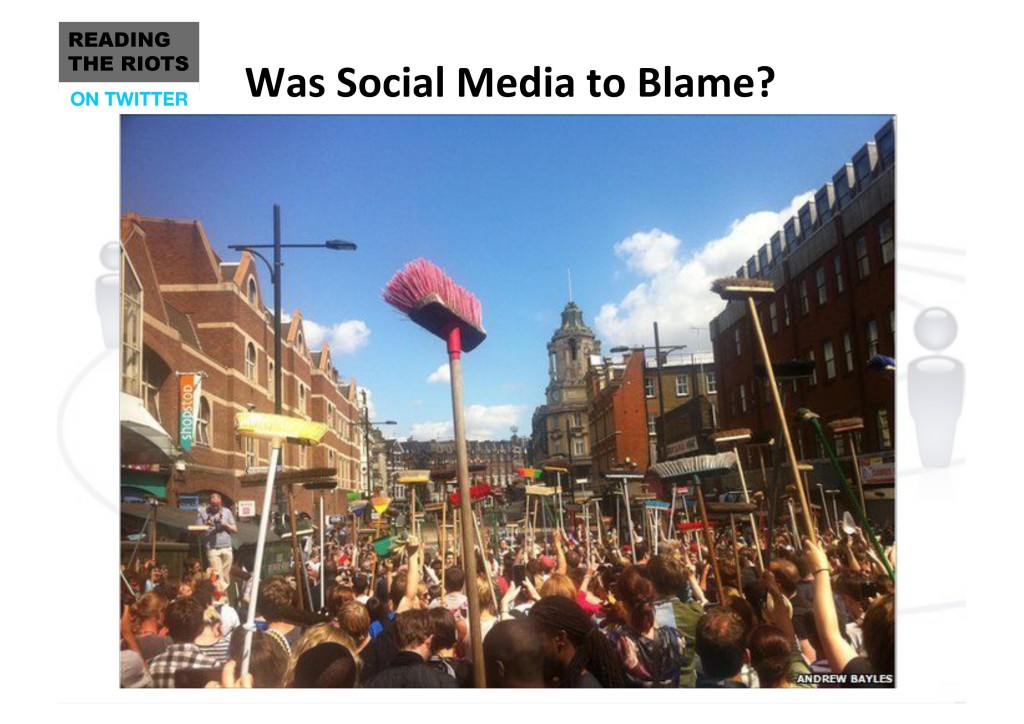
[(652, 656), (576, 653)]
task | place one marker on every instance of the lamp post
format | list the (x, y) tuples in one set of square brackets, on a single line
[(367, 424), (661, 387), (275, 279)]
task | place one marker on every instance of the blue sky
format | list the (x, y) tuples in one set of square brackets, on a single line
[(646, 210)]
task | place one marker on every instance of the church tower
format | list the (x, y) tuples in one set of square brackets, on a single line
[(566, 423)]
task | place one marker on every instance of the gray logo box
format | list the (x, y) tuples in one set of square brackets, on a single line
[(129, 52)]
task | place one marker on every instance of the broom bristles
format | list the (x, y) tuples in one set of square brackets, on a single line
[(419, 279)]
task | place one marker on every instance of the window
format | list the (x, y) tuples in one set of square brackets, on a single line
[(330, 415), (302, 398), (872, 334), (884, 431), (863, 265), (652, 428), (577, 419), (649, 387), (151, 392), (814, 371), (848, 351), (579, 447), (250, 361), (739, 341), (829, 355), (887, 241), (773, 318), (330, 458), (270, 380), (892, 328), (840, 443), (819, 280), (805, 305), (552, 364), (203, 423), (251, 291), (302, 456), (131, 330), (249, 445), (709, 383), (837, 265), (682, 385), (743, 397), (785, 310)]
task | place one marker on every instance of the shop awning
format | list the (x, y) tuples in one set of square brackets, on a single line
[(146, 483), (143, 440)]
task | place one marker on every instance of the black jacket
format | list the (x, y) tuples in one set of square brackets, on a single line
[(408, 670)]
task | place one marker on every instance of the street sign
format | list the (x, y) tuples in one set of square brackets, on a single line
[(246, 508), (188, 502)]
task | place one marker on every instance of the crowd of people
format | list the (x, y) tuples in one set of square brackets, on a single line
[(558, 609)]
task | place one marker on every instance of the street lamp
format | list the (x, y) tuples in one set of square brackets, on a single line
[(275, 279), (661, 388)]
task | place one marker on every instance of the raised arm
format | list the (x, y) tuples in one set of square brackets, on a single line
[(837, 650)]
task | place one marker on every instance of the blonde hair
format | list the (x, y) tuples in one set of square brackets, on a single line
[(559, 584), (319, 634), (151, 605)]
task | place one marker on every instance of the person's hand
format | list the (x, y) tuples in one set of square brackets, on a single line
[(412, 544), (509, 597), (815, 556)]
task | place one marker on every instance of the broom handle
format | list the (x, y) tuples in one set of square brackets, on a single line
[(444, 532), (299, 573), (261, 541), (465, 505), (793, 465), (709, 540), (750, 516), (736, 553), (856, 469)]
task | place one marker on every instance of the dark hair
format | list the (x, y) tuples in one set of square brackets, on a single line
[(378, 609), (787, 575), (742, 608), (360, 583), (880, 634), (803, 564), (268, 662), (354, 619), (184, 620), (204, 592), (454, 579), (326, 666), (666, 573), (770, 654), (337, 596), (635, 601), (720, 643), (444, 627), (594, 652), (517, 645), (276, 598), (397, 592), (413, 628)]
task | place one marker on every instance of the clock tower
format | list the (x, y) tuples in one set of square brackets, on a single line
[(566, 426)]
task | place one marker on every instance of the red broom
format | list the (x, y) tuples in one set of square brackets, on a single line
[(443, 308)]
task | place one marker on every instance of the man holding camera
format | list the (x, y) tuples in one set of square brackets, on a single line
[(217, 540)]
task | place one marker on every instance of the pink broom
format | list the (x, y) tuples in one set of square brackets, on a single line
[(439, 305)]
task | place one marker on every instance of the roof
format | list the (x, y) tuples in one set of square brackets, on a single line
[(183, 324)]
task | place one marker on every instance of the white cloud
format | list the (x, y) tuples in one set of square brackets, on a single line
[(441, 374), (483, 422), (675, 290), (344, 337)]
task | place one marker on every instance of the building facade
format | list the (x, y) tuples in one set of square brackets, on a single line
[(566, 426), (833, 268), (185, 311)]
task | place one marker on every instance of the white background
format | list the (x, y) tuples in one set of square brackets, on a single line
[(948, 72)]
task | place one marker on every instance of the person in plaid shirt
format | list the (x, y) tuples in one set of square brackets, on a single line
[(184, 620)]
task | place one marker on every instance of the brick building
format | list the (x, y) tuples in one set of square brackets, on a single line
[(184, 311), (833, 268)]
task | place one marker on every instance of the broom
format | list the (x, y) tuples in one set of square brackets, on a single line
[(433, 301), (739, 288)]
